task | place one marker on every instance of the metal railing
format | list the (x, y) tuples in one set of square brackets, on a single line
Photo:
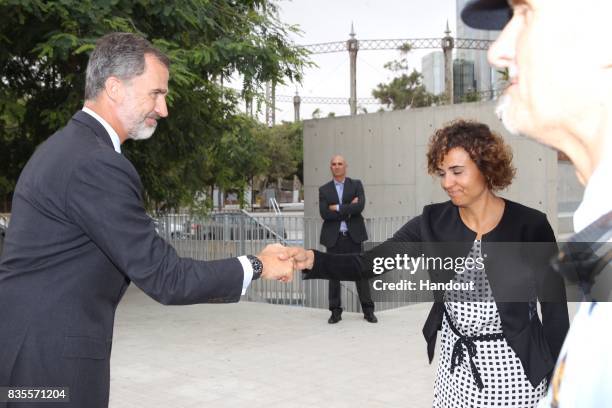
[(274, 205), (229, 234)]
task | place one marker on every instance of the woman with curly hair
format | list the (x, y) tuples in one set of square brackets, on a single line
[(495, 349)]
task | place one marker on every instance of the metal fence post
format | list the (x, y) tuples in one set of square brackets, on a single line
[(241, 236)]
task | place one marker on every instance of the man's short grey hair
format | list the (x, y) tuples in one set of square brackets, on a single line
[(121, 55)]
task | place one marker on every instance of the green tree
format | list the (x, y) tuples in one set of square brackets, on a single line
[(244, 155), (471, 96), (283, 148), (44, 47), (253, 152), (290, 135), (405, 90), (504, 74)]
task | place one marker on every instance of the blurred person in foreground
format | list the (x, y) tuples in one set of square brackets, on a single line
[(79, 234), (559, 59), (496, 324)]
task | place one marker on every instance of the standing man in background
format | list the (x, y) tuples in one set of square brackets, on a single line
[(559, 60), (341, 202)]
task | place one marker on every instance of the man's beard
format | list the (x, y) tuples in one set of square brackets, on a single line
[(141, 131), (502, 111)]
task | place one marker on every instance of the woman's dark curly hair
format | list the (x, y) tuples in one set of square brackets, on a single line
[(492, 155)]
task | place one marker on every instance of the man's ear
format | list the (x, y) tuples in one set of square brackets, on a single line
[(115, 89)]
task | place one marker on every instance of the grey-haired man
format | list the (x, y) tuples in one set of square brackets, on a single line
[(79, 235), (559, 59)]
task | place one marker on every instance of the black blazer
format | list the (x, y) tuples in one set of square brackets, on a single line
[(350, 213), (514, 272), (78, 236)]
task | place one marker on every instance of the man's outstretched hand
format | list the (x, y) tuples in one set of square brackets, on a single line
[(302, 258), (277, 263), (280, 262)]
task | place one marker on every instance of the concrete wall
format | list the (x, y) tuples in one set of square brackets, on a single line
[(386, 151)]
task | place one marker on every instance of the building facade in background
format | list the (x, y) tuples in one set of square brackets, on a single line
[(464, 76), (432, 68), (464, 80), (467, 63), (487, 78)]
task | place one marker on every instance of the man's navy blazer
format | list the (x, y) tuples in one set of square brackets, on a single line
[(349, 212), (78, 235)]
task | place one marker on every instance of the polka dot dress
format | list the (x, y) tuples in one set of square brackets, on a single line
[(501, 374)]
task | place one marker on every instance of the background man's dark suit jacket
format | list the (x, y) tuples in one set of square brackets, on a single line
[(351, 213), (78, 235)]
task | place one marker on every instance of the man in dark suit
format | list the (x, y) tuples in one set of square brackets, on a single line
[(341, 202), (79, 235)]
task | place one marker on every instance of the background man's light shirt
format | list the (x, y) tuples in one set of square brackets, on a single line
[(340, 191)]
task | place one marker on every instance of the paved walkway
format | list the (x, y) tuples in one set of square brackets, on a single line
[(255, 355), (259, 355)]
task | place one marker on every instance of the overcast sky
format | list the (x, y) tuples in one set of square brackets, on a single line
[(330, 20)]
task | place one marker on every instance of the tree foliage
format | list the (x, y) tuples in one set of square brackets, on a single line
[(255, 153), (406, 90), (44, 47), (471, 96), (285, 149)]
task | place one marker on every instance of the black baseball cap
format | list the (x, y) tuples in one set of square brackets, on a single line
[(487, 14)]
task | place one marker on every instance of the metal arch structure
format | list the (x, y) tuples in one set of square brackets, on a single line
[(352, 45), (326, 100), (396, 43), (334, 100), (472, 44)]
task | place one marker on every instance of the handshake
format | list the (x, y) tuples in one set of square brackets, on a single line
[(280, 262)]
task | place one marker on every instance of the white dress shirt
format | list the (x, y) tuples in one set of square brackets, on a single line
[(109, 129)]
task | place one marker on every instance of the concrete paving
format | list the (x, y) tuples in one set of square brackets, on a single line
[(255, 355)]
